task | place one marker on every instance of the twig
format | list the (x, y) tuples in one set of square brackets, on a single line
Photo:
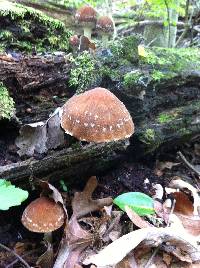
[(16, 255), (24, 255), (190, 166)]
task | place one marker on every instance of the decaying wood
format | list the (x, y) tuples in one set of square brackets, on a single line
[(67, 163), (35, 80)]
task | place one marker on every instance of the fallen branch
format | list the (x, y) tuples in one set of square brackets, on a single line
[(190, 166)]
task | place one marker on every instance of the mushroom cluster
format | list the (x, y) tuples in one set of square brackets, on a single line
[(86, 17), (96, 115)]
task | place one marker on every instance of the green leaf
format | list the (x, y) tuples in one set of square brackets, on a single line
[(141, 203), (10, 195)]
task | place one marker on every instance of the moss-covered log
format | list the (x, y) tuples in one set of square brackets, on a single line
[(160, 87), (26, 29)]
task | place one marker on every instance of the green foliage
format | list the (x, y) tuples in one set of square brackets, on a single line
[(83, 71), (34, 29), (6, 103), (140, 203), (10, 195)]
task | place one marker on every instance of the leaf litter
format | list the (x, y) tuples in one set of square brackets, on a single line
[(99, 235)]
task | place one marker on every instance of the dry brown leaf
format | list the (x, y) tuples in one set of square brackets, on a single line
[(172, 238), (46, 259), (136, 219), (128, 262), (180, 184), (190, 223), (83, 203), (53, 193), (167, 258), (76, 239), (161, 166), (183, 204)]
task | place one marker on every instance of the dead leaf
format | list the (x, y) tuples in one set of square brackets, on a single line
[(161, 166), (73, 243), (167, 258), (83, 203), (51, 191), (128, 262), (136, 219), (46, 259), (152, 236), (190, 223), (183, 205), (180, 184), (76, 239), (41, 136)]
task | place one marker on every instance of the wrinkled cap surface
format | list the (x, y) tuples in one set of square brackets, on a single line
[(97, 115), (105, 24), (43, 215), (86, 14)]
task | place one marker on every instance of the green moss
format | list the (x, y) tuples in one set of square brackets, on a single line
[(165, 118), (83, 71), (132, 78), (26, 28), (148, 137), (6, 103), (174, 60), (126, 48)]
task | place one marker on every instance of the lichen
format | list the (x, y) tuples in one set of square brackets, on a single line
[(6, 103), (83, 71), (27, 28)]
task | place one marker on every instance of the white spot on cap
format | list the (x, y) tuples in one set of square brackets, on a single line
[(77, 121), (92, 125), (85, 124), (118, 125), (104, 129), (110, 128), (96, 117)]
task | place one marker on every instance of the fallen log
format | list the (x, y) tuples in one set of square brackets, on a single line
[(161, 91)]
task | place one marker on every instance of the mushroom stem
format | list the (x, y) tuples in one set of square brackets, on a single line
[(48, 237), (105, 40), (87, 32)]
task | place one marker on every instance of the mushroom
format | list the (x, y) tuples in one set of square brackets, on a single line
[(105, 27), (43, 215), (86, 16), (96, 115)]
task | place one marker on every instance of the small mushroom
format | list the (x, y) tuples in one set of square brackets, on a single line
[(105, 27), (86, 17), (96, 115), (43, 215)]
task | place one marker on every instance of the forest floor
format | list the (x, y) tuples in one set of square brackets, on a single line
[(127, 177)]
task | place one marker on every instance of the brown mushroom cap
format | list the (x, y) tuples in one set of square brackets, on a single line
[(105, 25), (97, 115), (86, 15), (43, 215)]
